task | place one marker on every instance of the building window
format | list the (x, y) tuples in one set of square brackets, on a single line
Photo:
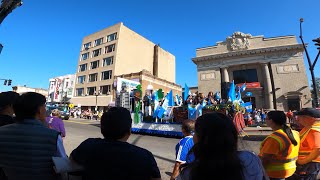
[(81, 79), (105, 89), (93, 77), (87, 46), (94, 64), (84, 56), (82, 67), (96, 52), (112, 37), (242, 76), (91, 90), (106, 75), (108, 61), (79, 91), (110, 48), (98, 42)]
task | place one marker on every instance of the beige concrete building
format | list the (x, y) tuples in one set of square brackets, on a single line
[(113, 52), (273, 69), (24, 89), (147, 79)]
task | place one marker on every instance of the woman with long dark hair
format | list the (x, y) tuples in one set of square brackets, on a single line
[(215, 151), (279, 151)]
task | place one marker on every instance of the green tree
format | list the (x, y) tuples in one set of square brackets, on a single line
[(317, 79)]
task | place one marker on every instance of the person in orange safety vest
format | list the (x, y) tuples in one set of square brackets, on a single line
[(279, 151), (308, 163)]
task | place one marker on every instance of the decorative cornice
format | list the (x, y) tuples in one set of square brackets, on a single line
[(148, 74), (249, 52)]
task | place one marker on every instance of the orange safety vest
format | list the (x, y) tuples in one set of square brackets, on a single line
[(283, 165), (304, 151)]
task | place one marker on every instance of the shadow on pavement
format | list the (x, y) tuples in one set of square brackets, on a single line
[(134, 142), (254, 137), (157, 135), (96, 125), (165, 159)]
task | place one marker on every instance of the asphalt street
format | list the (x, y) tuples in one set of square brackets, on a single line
[(77, 130)]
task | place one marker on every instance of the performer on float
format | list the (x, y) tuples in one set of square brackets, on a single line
[(210, 98), (147, 104)]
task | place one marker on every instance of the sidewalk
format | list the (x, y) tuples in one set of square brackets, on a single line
[(82, 121), (257, 131), (258, 128)]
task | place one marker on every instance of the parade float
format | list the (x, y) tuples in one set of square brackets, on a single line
[(168, 114)]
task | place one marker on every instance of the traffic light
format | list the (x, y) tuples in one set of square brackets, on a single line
[(5, 82), (9, 82), (317, 42)]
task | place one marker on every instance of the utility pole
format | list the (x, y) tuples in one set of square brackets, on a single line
[(311, 65)]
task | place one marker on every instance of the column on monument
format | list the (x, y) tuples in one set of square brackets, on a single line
[(225, 75), (267, 87)]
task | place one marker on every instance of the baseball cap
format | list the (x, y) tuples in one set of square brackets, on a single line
[(7, 98), (312, 112)]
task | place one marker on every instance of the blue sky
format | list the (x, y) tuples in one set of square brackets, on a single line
[(42, 39)]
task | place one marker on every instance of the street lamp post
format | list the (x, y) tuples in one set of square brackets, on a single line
[(7, 7), (96, 94), (311, 65)]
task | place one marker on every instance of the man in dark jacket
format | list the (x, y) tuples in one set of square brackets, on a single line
[(27, 146), (113, 157), (7, 100)]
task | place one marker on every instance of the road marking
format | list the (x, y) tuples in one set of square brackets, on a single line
[(78, 122)]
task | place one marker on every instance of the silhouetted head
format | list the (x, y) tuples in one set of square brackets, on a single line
[(214, 133), (215, 148), (116, 123), (30, 105), (7, 99), (278, 117), (187, 127), (56, 112)]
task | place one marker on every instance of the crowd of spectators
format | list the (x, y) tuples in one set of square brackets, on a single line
[(29, 139)]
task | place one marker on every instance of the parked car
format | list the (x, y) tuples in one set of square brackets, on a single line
[(64, 115)]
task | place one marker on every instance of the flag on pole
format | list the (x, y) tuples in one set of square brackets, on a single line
[(170, 99), (243, 87), (248, 106), (186, 92), (232, 92), (164, 107), (177, 100), (161, 111), (239, 96)]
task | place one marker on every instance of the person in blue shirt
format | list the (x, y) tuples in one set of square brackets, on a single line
[(183, 154)]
